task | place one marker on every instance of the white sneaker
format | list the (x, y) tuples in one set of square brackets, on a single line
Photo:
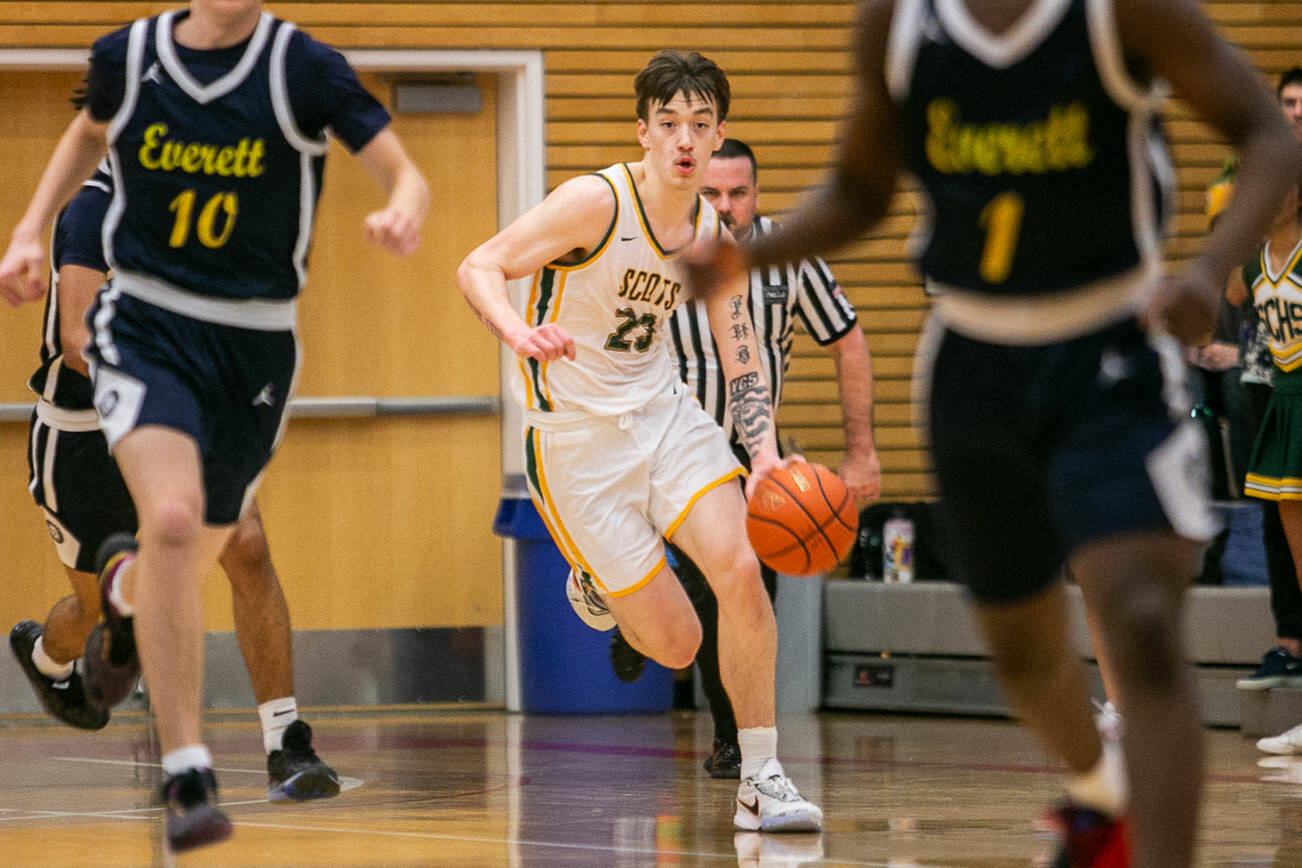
[(1285, 743), (587, 602), (769, 802)]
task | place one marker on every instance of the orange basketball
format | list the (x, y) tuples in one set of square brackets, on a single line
[(801, 519)]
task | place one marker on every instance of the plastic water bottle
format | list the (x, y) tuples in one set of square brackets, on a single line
[(897, 549)]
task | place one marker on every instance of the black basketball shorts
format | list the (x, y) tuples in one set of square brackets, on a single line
[(75, 481), (1039, 450), (224, 386)]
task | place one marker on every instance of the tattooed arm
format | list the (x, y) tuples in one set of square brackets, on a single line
[(749, 398)]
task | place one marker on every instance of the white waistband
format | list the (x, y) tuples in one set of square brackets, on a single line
[(258, 314), (66, 420), (566, 420), (1044, 319), (569, 420)]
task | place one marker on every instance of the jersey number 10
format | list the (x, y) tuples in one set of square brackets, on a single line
[(227, 205)]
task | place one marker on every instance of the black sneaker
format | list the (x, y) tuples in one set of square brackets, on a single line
[(296, 772), (1278, 669), (725, 762), (193, 818), (65, 700), (627, 661), (112, 667)]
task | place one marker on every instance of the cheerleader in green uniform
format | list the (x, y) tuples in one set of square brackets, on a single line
[(1274, 280)]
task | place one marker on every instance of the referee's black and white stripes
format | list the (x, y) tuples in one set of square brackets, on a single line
[(777, 295)]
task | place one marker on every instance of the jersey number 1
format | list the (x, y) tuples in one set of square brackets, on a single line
[(1002, 221), (206, 227)]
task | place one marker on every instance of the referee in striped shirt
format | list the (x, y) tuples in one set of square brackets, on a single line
[(777, 297)]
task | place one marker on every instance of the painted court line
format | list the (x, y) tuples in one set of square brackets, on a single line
[(590, 848), (345, 783)]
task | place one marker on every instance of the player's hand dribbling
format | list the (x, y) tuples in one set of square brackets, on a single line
[(762, 465), (22, 272), (545, 343), (394, 230), (1184, 306)]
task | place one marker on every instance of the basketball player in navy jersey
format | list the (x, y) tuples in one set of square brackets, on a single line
[(84, 500), (214, 121), (1029, 125)]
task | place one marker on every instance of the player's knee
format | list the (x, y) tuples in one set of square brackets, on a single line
[(246, 551), (737, 583), (681, 650), (174, 523), (84, 616), (675, 640)]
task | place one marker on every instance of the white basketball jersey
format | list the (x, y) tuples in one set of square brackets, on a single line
[(616, 305)]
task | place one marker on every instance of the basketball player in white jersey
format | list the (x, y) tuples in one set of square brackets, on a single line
[(620, 456)]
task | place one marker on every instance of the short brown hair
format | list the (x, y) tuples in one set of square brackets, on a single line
[(670, 73)]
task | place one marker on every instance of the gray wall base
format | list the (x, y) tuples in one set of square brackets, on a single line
[(360, 667), (1269, 712), (958, 685), (331, 667), (916, 648)]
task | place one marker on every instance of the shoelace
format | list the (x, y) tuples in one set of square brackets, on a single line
[(778, 787)]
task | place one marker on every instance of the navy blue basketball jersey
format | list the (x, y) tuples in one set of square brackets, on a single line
[(216, 170), (75, 241), (1042, 158)]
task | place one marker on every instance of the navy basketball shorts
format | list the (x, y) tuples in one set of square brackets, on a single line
[(224, 386), (76, 482), (1040, 450)]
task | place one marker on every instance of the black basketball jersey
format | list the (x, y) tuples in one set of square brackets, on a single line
[(75, 241), (217, 181), (1042, 159)]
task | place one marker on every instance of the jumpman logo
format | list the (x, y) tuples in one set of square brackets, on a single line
[(155, 74), (264, 398)]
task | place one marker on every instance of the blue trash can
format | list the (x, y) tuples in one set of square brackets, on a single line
[(564, 665)]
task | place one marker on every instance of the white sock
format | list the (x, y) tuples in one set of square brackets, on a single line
[(195, 756), (1102, 788), (116, 582), (46, 664), (758, 744), (276, 717)]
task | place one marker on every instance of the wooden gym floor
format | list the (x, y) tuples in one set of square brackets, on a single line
[(458, 787)]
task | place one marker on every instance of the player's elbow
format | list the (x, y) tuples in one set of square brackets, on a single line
[(467, 272)]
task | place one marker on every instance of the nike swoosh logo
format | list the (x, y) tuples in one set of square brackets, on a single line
[(754, 809), (279, 713), (629, 238)]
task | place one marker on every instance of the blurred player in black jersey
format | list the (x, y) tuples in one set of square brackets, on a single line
[(1054, 418), (74, 480), (214, 118)]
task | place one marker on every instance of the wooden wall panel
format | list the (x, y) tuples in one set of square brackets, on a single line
[(380, 524), (374, 324), (790, 77), (41, 101)]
